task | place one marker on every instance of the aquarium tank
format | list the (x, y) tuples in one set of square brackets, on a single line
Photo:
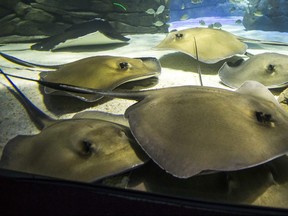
[(181, 103)]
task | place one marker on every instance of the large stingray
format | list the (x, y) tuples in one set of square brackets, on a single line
[(74, 149), (100, 31), (270, 69), (213, 44), (188, 130), (99, 72)]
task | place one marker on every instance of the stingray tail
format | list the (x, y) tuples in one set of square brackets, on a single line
[(25, 63), (255, 41), (130, 95), (40, 119), (198, 65)]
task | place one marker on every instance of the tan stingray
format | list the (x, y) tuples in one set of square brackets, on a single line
[(83, 150), (213, 44), (270, 69), (98, 72)]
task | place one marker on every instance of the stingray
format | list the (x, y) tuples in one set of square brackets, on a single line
[(83, 150), (192, 130), (99, 72), (270, 69), (93, 32), (213, 44)]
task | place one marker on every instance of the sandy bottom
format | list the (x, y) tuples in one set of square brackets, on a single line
[(177, 69)]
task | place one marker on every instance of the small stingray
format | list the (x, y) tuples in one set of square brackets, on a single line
[(270, 69), (213, 44), (99, 72), (100, 31), (74, 149), (189, 130)]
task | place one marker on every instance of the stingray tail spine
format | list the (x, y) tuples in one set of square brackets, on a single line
[(25, 63), (130, 95), (256, 41), (198, 65), (40, 119)]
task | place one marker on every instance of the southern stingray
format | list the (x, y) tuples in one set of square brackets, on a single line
[(190, 130), (270, 69), (99, 72), (74, 149), (213, 44), (100, 30)]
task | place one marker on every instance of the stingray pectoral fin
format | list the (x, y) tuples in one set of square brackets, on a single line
[(10, 149), (258, 90), (227, 75), (94, 114)]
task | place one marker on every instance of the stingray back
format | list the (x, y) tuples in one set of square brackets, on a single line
[(188, 131)]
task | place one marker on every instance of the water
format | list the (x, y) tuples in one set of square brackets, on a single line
[(146, 28)]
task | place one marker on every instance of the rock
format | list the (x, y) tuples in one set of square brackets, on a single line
[(8, 25), (21, 39), (21, 8), (26, 27), (4, 12), (127, 29), (39, 15), (133, 19), (49, 17), (267, 15), (67, 5), (9, 4)]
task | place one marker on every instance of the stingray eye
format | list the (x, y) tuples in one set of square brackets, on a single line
[(264, 118), (179, 36), (270, 68), (123, 65), (87, 147)]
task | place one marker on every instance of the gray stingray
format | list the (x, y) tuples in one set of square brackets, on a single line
[(270, 69), (189, 130), (100, 31), (83, 150), (213, 44), (99, 72)]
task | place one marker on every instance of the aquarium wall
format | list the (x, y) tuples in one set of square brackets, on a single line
[(187, 9), (49, 17), (33, 19), (267, 15)]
